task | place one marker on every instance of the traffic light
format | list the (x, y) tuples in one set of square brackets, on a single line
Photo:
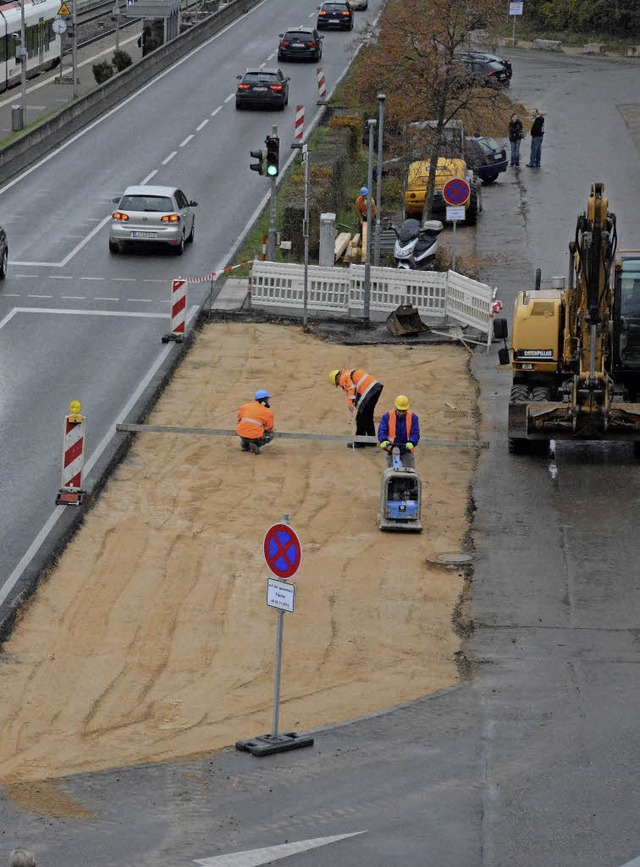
[(260, 166), (273, 155)]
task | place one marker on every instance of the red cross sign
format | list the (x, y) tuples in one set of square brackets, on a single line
[(282, 550)]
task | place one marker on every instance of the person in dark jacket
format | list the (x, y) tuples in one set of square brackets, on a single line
[(400, 427), (537, 133), (516, 134)]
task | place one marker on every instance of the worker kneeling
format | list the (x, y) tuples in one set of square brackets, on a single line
[(255, 423), (400, 428)]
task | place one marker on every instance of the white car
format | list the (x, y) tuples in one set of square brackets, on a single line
[(152, 215)]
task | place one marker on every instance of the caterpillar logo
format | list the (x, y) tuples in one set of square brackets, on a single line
[(534, 353)]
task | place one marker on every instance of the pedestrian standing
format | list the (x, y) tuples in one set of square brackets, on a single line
[(399, 428), (21, 858), (363, 391), (516, 134), (537, 134), (362, 203), (255, 423)]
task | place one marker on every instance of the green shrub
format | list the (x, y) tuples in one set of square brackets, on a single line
[(102, 71), (121, 59)]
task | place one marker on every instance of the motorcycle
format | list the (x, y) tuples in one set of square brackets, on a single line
[(416, 245)]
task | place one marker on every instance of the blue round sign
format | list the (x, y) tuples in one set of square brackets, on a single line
[(282, 550), (456, 191)]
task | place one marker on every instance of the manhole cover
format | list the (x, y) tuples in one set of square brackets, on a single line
[(455, 559)]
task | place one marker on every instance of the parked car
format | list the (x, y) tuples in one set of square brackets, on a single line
[(487, 72), (335, 15), (446, 170), (4, 253), (486, 156), (485, 56), (300, 43), (156, 215), (267, 88)]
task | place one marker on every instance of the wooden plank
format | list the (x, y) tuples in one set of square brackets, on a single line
[(341, 244)]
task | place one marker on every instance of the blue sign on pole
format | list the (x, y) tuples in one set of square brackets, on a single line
[(282, 550)]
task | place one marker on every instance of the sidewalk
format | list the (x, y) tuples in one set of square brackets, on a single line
[(46, 94)]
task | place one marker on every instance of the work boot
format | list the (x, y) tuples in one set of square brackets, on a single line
[(254, 448), (244, 447)]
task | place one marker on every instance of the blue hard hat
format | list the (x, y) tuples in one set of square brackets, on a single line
[(364, 191), (261, 394)]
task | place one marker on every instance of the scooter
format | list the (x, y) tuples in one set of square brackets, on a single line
[(416, 245)]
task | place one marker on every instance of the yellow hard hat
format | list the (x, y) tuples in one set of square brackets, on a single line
[(333, 377), (402, 402)]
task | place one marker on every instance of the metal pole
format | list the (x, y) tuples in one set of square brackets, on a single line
[(453, 246), (376, 254), (513, 35), (305, 232), (367, 260), (23, 69), (271, 252), (116, 15), (276, 687), (74, 52)]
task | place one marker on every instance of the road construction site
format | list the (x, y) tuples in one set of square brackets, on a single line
[(151, 640)]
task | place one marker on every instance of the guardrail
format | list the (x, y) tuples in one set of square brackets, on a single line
[(51, 133)]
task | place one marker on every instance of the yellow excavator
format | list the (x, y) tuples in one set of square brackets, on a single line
[(575, 349)]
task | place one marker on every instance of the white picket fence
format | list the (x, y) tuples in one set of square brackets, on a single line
[(437, 296)]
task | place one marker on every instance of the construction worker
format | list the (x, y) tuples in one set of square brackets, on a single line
[(363, 391), (255, 423), (362, 205), (400, 427)]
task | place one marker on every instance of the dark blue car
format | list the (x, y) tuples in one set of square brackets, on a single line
[(486, 156)]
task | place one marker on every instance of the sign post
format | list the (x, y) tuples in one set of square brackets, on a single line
[(456, 194), (515, 8), (283, 554)]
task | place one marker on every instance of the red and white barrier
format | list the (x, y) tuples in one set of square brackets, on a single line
[(299, 125), (178, 310), (71, 492), (322, 87)]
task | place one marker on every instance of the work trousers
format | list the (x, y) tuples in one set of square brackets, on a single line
[(365, 426)]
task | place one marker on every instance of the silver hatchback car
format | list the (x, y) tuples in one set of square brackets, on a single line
[(152, 215)]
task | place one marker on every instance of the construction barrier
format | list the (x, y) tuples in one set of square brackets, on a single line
[(178, 310), (440, 296), (71, 492), (299, 125), (322, 87)]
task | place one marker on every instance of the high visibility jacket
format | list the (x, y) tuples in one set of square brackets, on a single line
[(357, 384), (361, 207), (399, 430), (254, 420)]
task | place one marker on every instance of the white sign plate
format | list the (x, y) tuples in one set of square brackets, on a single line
[(280, 594), (457, 212), (516, 8)]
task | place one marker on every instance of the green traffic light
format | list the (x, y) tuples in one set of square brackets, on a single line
[(272, 171)]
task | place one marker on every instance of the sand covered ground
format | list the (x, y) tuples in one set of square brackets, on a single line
[(152, 641)]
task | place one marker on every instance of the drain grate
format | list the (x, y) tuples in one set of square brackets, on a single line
[(456, 413)]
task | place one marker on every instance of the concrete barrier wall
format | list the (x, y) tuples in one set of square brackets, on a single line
[(38, 142)]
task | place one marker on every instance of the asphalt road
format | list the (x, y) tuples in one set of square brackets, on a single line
[(535, 760)]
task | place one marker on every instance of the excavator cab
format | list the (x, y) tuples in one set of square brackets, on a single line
[(627, 324)]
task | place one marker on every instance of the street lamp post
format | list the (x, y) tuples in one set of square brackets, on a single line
[(367, 261), (376, 255), (23, 67)]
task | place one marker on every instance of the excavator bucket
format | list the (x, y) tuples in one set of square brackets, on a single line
[(405, 319)]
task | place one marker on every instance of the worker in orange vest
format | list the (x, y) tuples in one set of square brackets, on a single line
[(363, 391), (400, 427), (255, 423), (361, 206)]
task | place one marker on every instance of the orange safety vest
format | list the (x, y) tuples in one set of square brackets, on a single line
[(357, 384), (254, 420), (392, 424), (361, 206)]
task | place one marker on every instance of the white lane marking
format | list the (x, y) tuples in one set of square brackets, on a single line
[(230, 97), (11, 295), (70, 255), (147, 179), (39, 296), (60, 276), (92, 278), (186, 141), (23, 275), (105, 298), (73, 297), (215, 111), (634, 863), (53, 311), (202, 125), (55, 516), (156, 281), (169, 158), (271, 56), (139, 300), (123, 279), (257, 857)]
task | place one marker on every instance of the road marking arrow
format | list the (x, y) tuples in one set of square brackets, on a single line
[(256, 857)]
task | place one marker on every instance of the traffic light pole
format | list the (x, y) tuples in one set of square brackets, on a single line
[(271, 248)]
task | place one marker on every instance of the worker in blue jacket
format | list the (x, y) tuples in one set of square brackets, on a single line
[(400, 427)]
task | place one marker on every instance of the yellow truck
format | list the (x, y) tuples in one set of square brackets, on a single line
[(447, 169)]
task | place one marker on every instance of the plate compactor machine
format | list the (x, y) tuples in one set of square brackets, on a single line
[(575, 349), (400, 497)]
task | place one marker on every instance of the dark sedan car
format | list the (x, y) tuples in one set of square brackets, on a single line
[(4, 253), (490, 58), (300, 43), (486, 156), (334, 15), (486, 72), (266, 88)]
